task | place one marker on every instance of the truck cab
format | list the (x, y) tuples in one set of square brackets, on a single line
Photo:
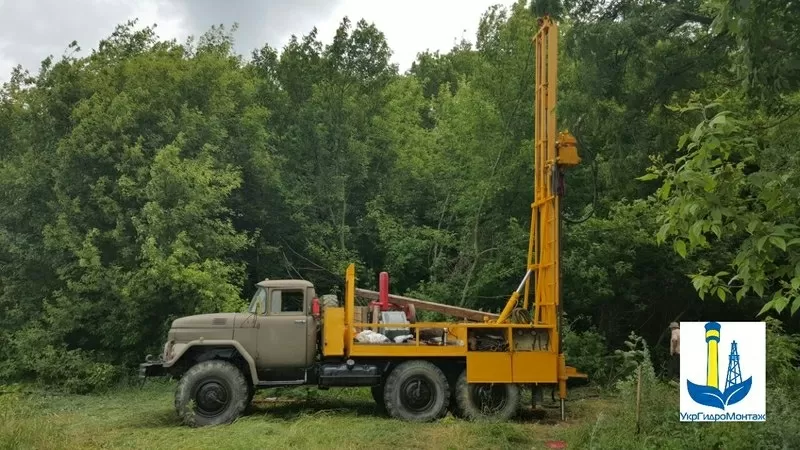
[(275, 339), (280, 330)]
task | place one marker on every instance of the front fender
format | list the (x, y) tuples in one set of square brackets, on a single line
[(178, 350)]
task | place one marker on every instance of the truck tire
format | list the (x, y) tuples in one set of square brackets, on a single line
[(454, 408), (377, 395), (486, 401), (416, 391), (251, 392), (452, 379), (212, 392)]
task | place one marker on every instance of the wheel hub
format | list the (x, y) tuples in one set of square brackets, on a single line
[(489, 398), (211, 398), (418, 394)]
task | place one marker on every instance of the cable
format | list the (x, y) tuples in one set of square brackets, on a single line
[(590, 214)]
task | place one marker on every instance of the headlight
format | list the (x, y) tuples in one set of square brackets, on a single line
[(167, 355)]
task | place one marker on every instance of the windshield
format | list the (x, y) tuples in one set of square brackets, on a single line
[(260, 300)]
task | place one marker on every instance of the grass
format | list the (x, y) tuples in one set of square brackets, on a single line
[(143, 417), (339, 418)]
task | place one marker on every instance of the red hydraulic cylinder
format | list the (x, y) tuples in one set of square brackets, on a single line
[(384, 291), (315, 307)]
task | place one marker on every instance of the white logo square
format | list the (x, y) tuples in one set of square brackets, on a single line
[(723, 371)]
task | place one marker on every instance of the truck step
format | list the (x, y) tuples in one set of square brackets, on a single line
[(281, 383)]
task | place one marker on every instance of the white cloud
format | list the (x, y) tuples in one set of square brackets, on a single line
[(30, 30), (413, 26)]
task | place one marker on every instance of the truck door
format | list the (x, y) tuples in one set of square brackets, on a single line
[(282, 336)]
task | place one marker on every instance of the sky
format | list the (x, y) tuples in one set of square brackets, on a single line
[(30, 30)]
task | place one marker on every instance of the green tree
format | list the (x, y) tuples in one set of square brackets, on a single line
[(736, 188)]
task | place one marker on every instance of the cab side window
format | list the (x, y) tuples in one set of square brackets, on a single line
[(287, 301)]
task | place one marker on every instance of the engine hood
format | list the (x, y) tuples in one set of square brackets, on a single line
[(217, 320)]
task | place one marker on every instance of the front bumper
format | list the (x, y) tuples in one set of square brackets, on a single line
[(152, 369), (154, 365)]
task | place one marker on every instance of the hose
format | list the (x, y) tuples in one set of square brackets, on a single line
[(520, 315)]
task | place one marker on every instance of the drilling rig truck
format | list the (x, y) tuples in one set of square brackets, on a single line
[(474, 367)]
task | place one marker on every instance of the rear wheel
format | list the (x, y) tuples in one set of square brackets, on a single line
[(211, 393), (417, 391), (487, 401), (452, 379), (454, 408), (377, 395)]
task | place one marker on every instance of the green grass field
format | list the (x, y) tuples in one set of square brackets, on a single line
[(339, 418)]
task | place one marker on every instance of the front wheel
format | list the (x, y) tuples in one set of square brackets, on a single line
[(251, 393), (417, 391), (211, 393), (479, 401)]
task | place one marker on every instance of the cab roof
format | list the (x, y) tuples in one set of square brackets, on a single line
[(285, 283)]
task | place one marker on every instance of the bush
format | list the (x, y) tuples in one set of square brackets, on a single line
[(782, 354), (587, 351), (71, 370)]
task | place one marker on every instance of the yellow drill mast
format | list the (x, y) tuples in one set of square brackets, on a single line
[(552, 154)]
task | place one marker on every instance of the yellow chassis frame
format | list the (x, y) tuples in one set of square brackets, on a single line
[(525, 366)]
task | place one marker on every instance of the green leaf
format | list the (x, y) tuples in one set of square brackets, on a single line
[(795, 305), (665, 190), (680, 247), (760, 243), (795, 283), (778, 242), (682, 140), (780, 303), (648, 177), (721, 293), (698, 131), (719, 119), (767, 306), (662, 232)]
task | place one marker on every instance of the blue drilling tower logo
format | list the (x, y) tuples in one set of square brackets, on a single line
[(735, 389)]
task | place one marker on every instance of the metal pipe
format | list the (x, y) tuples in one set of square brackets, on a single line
[(524, 279)]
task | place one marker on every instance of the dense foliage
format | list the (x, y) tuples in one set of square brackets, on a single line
[(151, 179)]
